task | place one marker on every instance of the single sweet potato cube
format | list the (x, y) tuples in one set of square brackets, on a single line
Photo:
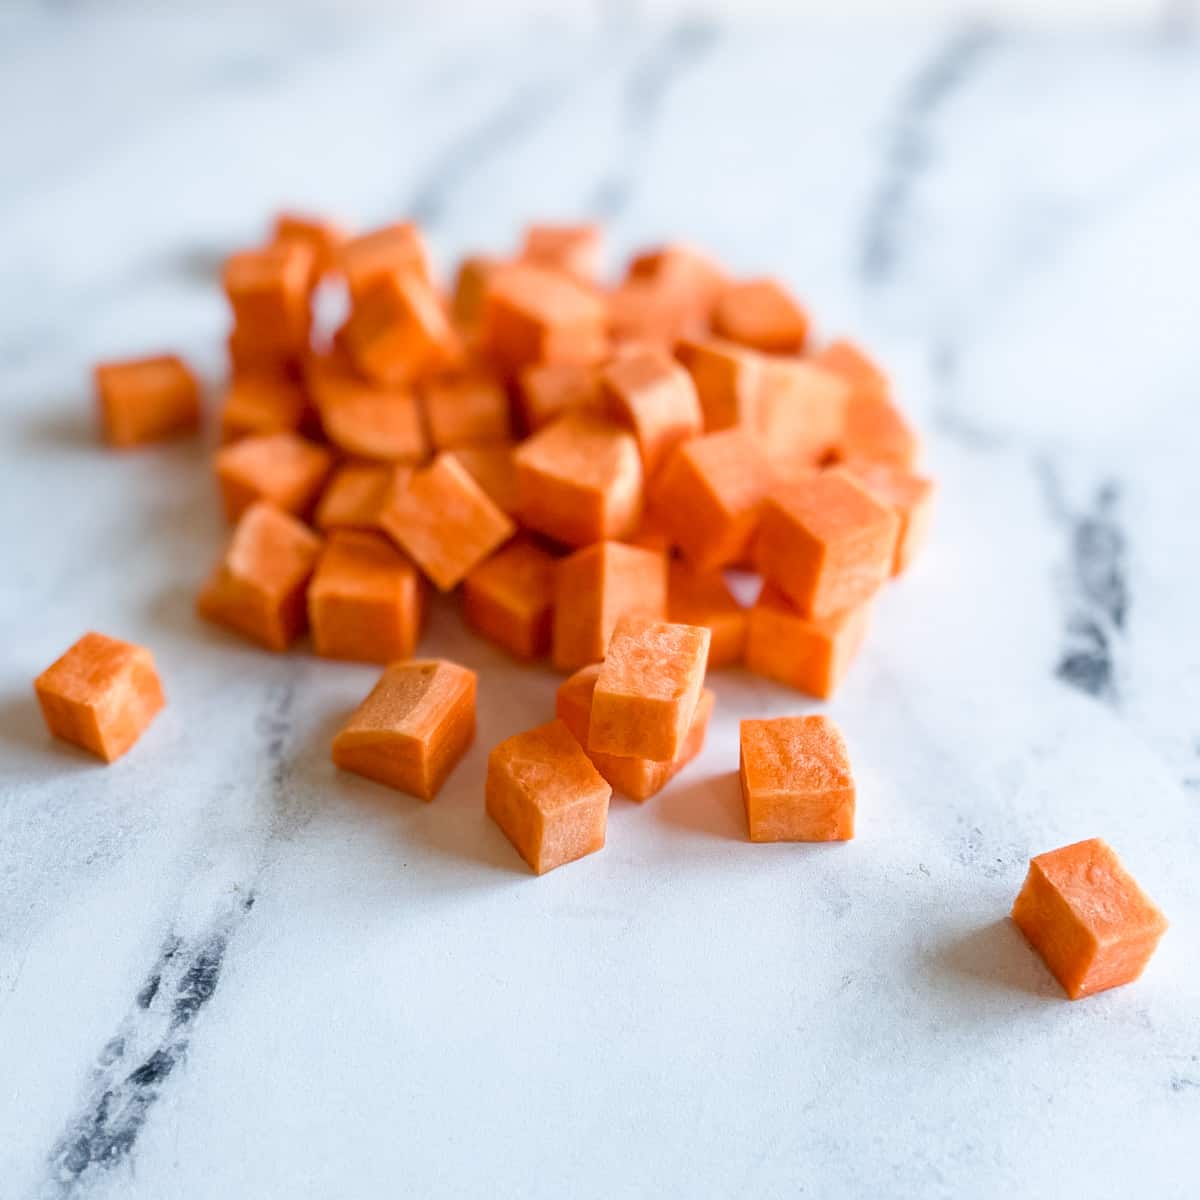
[(356, 494), (546, 796), (491, 465), (874, 430), (703, 598), (652, 395), (762, 314), (283, 469), (257, 589), (1087, 917), (365, 600), (509, 598), (709, 495), (637, 778), (146, 399), (650, 314), (394, 249), (865, 377), (258, 402), (594, 588), (413, 727), (546, 390), (100, 695), (580, 480), (728, 380), (802, 411), (367, 420), (796, 780), (466, 408), (648, 688), (475, 272), (445, 521), (268, 290), (651, 535), (812, 656), (322, 236), (686, 270), (910, 497), (575, 249), (827, 542)]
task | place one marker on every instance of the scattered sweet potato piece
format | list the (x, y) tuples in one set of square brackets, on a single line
[(268, 290), (762, 314), (367, 420), (796, 780), (100, 695), (491, 465), (655, 397), (355, 496), (365, 600), (257, 589), (728, 380), (413, 727), (466, 408), (574, 249), (394, 249), (509, 598), (802, 411), (910, 497), (258, 402), (283, 469), (546, 796), (146, 399), (546, 390), (648, 688), (323, 237), (704, 598), (1087, 917)]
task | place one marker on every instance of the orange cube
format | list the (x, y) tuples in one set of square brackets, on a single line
[(648, 688), (574, 249), (594, 588), (655, 397), (444, 521), (762, 314), (802, 412), (268, 291), (475, 272), (365, 600), (874, 429), (580, 480), (466, 408), (257, 589), (827, 542), (546, 796), (910, 497), (728, 381), (146, 399), (509, 598), (1087, 918), (865, 377), (413, 727), (491, 465), (321, 236), (709, 495), (685, 270), (356, 494), (281, 468), (812, 656), (392, 250), (367, 420), (637, 778), (258, 402), (796, 780), (546, 390), (704, 598), (101, 695), (651, 315)]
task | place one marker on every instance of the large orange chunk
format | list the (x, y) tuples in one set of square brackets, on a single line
[(728, 380), (910, 496), (412, 728), (268, 290), (445, 521), (637, 778), (546, 390), (812, 656), (574, 249), (259, 402), (594, 588), (796, 780), (146, 399), (257, 589), (365, 601), (100, 695), (546, 796), (509, 598), (709, 494), (762, 314), (654, 396), (394, 249), (802, 412), (580, 480), (283, 469), (355, 496), (827, 542), (367, 420), (648, 688), (1088, 919), (322, 236), (491, 465), (703, 598), (466, 408)]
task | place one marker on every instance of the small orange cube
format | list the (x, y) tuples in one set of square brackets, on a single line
[(393, 249), (146, 399), (762, 314), (802, 412), (546, 796), (268, 290), (356, 494), (367, 420), (910, 497), (652, 395), (797, 785), (475, 272), (648, 314), (258, 402), (100, 695), (574, 249), (546, 390), (465, 409), (648, 688), (874, 429), (323, 237), (685, 270), (413, 727), (1087, 917), (728, 381), (703, 598), (509, 598), (283, 469), (865, 377), (491, 465)]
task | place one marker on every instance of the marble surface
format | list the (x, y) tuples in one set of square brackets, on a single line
[(227, 971)]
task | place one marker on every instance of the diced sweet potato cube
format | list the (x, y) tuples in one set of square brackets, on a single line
[(762, 314), (827, 542), (445, 521), (258, 402), (796, 780), (684, 269), (1087, 917), (651, 535), (580, 480), (466, 408), (655, 397), (475, 272), (491, 465), (874, 430), (844, 358), (356, 494), (728, 380), (322, 236), (413, 727), (394, 249), (257, 589), (146, 399), (709, 494), (574, 249), (650, 313), (283, 469), (637, 778), (268, 290), (367, 420), (100, 695), (649, 685), (546, 796), (812, 656), (365, 601), (509, 598), (594, 588), (802, 411), (703, 598), (910, 497), (546, 390)]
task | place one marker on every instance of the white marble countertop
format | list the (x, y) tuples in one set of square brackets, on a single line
[(225, 970)]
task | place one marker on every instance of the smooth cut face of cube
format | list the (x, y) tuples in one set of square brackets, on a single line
[(491, 465), (367, 420), (727, 380), (283, 469), (910, 497), (354, 496), (143, 400), (398, 248), (704, 598), (802, 413), (467, 408), (796, 780), (413, 727), (761, 313), (509, 598), (258, 402), (268, 290), (547, 797), (547, 390), (649, 392)]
